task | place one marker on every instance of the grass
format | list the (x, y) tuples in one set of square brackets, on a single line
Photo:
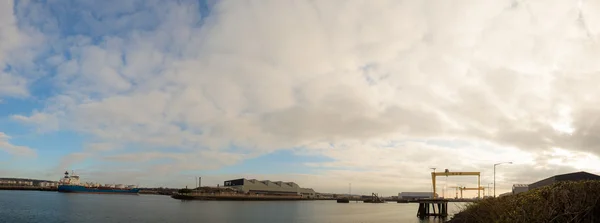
[(561, 202)]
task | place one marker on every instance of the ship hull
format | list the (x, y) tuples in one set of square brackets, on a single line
[(82, 189)]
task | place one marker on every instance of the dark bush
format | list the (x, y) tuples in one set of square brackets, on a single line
[(561, 202), (184, 191)]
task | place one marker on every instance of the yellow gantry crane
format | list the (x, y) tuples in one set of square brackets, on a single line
[(466, 188), (448, 173)]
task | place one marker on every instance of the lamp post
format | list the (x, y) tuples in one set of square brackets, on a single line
[(432, 186), (496, 164)]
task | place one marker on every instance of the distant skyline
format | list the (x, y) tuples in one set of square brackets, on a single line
[(320, 92)]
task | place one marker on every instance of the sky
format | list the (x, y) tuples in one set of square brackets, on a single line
[(325, 93)]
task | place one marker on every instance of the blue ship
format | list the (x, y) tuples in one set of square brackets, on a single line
[(70, 184)]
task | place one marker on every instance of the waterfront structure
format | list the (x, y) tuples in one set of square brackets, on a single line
[(8, 182), (427, 208), (519, 188), (325, 195), (48, 184), (415, 195), (577, 176), (25, 183), (253, 186)]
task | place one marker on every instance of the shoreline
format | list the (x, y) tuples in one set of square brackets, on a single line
[(28, 188), (236, 197), (55, 189)]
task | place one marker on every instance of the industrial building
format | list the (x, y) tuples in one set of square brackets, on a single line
[(577, 176), (415, 195), (253, 186), (519, 188), (10, 182), (48, 184)]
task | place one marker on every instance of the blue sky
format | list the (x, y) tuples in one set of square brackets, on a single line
[(323, 93)]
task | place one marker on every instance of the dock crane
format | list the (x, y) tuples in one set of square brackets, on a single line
[(466, 188), (456, 191), (448, 173)]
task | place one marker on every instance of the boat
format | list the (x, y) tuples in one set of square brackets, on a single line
[(343, 200), (71, 184), (374, 199), (346, 199)]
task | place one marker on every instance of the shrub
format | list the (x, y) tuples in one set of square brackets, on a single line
[(577, 201)]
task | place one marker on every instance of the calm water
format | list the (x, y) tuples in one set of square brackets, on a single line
[(39, 206)]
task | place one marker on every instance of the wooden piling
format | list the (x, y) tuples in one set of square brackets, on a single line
[(425, 210)]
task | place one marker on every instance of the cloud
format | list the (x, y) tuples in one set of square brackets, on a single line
[(14, 150), (50, 121), (71, 159), (18, 49), (102, 146), (261, 76), (10, 83)]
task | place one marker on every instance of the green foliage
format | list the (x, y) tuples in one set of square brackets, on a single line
[(184, 191), (561, 202)]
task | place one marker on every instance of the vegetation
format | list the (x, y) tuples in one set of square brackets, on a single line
[(184, 191), (561, 202)]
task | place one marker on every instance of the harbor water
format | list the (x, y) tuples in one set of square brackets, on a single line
[(43, 206)]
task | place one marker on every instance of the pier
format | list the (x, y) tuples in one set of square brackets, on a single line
[(427, 208)]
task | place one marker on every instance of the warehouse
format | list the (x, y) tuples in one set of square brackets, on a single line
[(254, 186), (519, 188), (577, 176)]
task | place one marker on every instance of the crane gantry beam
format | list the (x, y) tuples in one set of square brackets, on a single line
[(448, 173), (470, 188)]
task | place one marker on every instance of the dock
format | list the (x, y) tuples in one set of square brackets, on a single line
[(427, 208)]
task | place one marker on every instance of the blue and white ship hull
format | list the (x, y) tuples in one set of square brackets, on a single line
[(99, 190)]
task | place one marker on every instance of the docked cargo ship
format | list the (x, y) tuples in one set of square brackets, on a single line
[(71, 184)]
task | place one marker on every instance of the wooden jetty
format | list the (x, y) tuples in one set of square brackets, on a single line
[(427, 207)]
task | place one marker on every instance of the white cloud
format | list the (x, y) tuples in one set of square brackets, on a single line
[(72, 159), (102, 146), (50, 121), (15, 150), (18, 48), (270, 75), (10, 84)]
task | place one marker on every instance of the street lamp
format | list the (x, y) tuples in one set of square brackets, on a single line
[(495, 174), (432, 186)]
